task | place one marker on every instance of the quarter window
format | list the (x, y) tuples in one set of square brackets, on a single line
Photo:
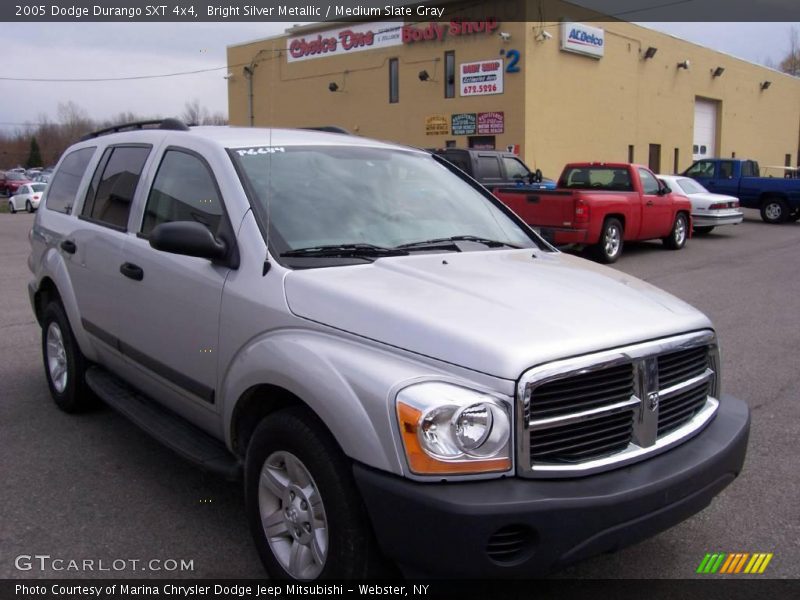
[(61, 194), (184, 190), (109, 198)]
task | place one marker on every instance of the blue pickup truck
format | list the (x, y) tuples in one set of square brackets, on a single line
[(777, 198)]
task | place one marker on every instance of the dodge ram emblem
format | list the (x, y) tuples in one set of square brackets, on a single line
[(652, 400)]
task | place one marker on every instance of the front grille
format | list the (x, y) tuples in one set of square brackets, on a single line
[(584, 440), (681, 365), (678, 409), (615, 406), (582, 392)]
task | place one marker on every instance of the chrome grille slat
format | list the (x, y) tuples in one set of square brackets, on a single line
[(598, 411)]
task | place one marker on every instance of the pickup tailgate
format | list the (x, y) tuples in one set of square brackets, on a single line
[(540, 208)]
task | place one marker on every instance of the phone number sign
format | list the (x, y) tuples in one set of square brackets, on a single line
[(481, 78)]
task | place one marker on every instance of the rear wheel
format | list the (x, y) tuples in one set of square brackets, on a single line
[(305, 513), (28, 206), (610, 246), (774, 210), (677, 237), (64, 363), (703, 230)]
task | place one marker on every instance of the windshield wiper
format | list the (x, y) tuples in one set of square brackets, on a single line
[(345, 251), (446, 241)]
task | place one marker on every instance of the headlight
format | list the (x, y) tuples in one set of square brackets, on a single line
[(451, 429)]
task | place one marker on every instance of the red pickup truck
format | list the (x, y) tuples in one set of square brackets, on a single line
[(601, 205)]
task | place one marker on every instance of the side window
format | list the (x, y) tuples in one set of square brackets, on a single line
[(725, 169), (514, 168), (184, 190), (649, 183), (114, 184), (62, 190), (488, 167)]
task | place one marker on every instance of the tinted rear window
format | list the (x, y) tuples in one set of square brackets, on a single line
[(597, 178)]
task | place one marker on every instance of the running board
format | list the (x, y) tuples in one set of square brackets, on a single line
[(188, 441)]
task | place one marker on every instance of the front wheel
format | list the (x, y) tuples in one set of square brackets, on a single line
[(306, 516), (64, 363), (774, 210), (703, 230), (677, 237), (11, 208), (610, 246)]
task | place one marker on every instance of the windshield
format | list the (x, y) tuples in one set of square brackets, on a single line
[(321, 196)]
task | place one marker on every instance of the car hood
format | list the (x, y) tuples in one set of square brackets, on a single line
[(498, 312)]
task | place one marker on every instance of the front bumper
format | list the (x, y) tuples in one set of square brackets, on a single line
[(452, 528)]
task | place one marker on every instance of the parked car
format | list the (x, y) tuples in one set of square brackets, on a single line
[(27, 197), (32, 173), (708, 210), (398, 366), (14, 179), (492, 168), (602, 205), (777, 198)]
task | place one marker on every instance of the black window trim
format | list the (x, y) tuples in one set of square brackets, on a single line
[(100, 168)]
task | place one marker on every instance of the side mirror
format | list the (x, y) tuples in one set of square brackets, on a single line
[(188, 238), (663, 188)]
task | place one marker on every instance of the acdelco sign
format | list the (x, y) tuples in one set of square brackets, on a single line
[(582, 39), (357, 37)]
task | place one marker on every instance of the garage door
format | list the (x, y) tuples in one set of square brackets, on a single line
[(705, 129)]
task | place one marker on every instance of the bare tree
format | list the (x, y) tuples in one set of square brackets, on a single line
[(791, 62), (194, 113)]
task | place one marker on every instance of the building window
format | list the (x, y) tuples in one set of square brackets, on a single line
[(630, 153), (675, 160), (450, 144), (450, 74), (481, 142), (394, 81)]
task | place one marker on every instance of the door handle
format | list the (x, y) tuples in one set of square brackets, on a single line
[(68, 246), (132, 271), (649, 203)]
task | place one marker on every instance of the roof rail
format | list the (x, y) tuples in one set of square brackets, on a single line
[(329, 129), (171, 124)]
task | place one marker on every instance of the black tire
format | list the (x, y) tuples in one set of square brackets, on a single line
[(11, 208), (609, 248), (680, 232), (73, 395), (774, 210), (28, 206), (705, 230), (350, 550)]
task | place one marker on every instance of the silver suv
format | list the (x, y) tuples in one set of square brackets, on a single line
[(397, 366)]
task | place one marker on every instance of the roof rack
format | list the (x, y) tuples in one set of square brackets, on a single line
[(328, 129), (170, 124)]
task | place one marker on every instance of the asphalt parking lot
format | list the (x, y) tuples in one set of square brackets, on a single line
[(95, 487)]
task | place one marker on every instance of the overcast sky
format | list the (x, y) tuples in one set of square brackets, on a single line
[(97, 50)]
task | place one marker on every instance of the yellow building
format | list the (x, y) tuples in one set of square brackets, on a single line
[(555, 91)]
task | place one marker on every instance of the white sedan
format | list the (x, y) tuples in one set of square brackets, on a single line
[(709, 210), (27, 197)]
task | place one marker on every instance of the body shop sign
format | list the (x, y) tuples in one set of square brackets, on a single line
[(490, 123), (463, 124), (335, 42), (481, 78)]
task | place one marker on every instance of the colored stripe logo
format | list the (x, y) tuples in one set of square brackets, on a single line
[(734, 563)]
